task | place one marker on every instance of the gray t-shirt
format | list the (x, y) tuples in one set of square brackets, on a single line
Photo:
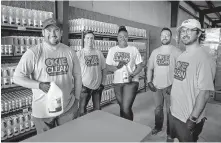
[(44, 64)]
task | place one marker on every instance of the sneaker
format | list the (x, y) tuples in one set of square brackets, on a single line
[(155, 131), (169, 139)]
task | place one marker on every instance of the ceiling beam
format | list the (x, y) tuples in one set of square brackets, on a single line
[(211, 6), (217, 21), (197, 9), (212, 10)]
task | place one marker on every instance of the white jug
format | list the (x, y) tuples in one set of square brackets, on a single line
[(54, 106)]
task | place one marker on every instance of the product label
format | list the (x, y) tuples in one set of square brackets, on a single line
[(15, 129), (32, 124), (27, 125), (55, 106)]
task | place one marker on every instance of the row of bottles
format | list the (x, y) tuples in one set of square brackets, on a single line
[(16, 124), (23, 17), (17, 45), (101, 45), (16, 100), (139, 45), (81, 24), (7, 72), (136, 32)]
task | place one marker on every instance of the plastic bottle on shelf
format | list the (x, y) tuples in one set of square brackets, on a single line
[(40, 16), (35, 18), (30, 18), (21, 123), (12, 16), (18, 15), (15, 125), (24, 15), (3, 129), (4, 14), (9, 127), (27, 122)]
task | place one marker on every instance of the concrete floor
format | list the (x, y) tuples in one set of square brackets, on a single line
[(143, 109)]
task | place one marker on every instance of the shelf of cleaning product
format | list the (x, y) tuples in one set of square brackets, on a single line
[(21, 28)]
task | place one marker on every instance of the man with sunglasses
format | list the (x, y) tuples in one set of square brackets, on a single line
[(193, 80), (46, 62), (160, 67)]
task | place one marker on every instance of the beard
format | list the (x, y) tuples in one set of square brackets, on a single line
[(188, 41), (165, 42)]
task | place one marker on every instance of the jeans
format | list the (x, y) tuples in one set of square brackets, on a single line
[(85, 97), (125, 94), (178, 129), (159, 97)]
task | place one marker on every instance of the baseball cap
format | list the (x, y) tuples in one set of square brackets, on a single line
[(191, 24), (51, 21)]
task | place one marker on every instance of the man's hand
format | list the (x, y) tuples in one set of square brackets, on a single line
[(44, 86), (168, 90), (130, 78), (121, 64), (191, 125), (101, 87), (152, 87)]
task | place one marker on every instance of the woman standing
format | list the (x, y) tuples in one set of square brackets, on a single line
[(125, 61), (93, 66)]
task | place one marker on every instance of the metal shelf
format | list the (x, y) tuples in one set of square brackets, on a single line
[(20, 28), (21, 136), (108, 35)]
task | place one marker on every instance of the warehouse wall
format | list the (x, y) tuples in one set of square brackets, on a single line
[(37, 5), (155, 13)]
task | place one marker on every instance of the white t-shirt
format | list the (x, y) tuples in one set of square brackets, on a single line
[(44, 64), (194, 71), (163, 60), (130, 55), (92, 63)]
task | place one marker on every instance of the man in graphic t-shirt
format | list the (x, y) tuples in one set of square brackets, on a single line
[(161, 67), (93, 66), (193, 80), (50, 61)]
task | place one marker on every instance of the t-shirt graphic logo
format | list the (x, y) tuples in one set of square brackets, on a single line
[(91, 60), (122, 56), (163, 60), (180, 70), (57, 66)]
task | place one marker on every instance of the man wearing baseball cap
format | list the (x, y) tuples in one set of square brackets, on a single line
[(193, 80), (50, 61)]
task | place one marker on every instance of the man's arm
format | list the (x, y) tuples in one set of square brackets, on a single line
[(111, 68), (23, 71), (150, 69), (138, 69), (205, 85), (200, 103), (77, 77)]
